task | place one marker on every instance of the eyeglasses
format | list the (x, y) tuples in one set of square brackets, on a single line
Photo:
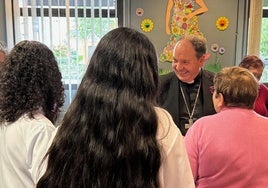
[(212, 89)]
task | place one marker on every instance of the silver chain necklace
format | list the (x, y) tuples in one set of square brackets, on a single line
[(191, 121)]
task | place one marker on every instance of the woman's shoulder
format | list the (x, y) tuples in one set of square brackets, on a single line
[(264, 87), (165, 120), (37, 119), (36, 125), (167, 132)]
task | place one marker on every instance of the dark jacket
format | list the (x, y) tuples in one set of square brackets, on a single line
[(169, 91)]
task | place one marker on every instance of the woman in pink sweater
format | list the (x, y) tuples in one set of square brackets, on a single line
[(229, 149)]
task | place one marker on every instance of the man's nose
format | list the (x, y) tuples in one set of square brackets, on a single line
[(177, 66)]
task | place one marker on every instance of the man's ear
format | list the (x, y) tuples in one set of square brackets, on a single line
[(203, 59), (206, 56)]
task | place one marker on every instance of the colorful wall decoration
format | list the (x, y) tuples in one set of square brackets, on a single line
[(181, 18), (164, 21)]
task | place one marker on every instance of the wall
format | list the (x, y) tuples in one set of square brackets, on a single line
[(2, 21), (233, 39)]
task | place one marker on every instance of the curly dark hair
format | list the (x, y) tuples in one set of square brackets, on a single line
[(30, 80), (108, 135)]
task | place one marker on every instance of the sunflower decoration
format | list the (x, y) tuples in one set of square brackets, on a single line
[(147, 25), (222, 23)]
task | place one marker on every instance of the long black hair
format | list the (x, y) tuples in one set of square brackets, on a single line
[(108, 135)]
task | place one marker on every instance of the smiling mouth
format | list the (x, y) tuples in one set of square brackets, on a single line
[(182, 73)]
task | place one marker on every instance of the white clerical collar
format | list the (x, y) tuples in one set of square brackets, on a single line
[(191, 82)]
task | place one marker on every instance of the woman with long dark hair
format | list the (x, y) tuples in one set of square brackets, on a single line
[(113, 135)]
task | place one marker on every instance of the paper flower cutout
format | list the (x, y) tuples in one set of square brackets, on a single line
[(214, 47), (139, 11), (221, 50), (147, 25), (215, 65), (222, 23)]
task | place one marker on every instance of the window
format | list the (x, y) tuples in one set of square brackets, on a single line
[(71, 28), (264, 41)]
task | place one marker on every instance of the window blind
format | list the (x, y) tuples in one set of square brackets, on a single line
[(70, 28)]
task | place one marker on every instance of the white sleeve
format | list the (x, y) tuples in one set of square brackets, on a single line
[(38, 141), (43, 165), (175, 170)]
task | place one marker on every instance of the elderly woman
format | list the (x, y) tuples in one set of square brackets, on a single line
[(256, 67), (228, 149)]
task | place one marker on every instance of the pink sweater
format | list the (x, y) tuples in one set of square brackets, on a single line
[(229, 149)]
